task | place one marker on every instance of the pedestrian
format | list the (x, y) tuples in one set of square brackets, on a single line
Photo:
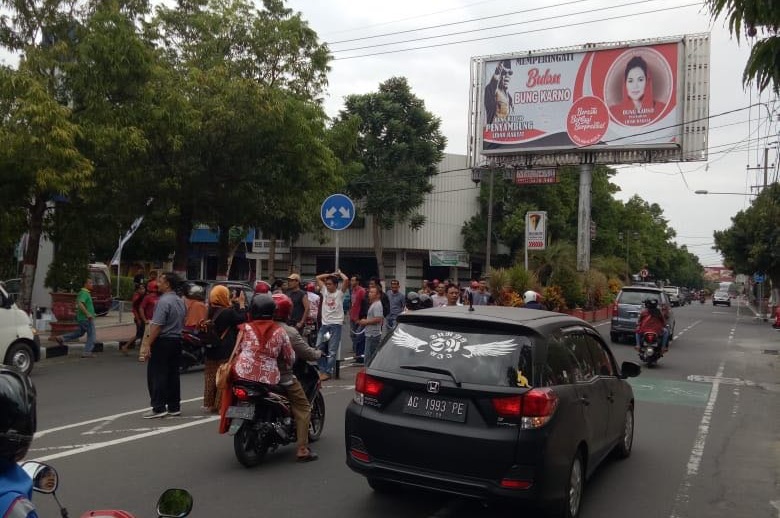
[(85, 317), (373, 322), (439, 296), (300, 302), (481, 297), (357, 310), (376, 281), (162, 372), (453, 295), (195, 305), (397, 300), (17, 428), (277, 286), (313, 319), (226, 316), (332, 288), (138, 297)]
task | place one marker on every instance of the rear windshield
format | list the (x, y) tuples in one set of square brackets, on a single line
[(638, 297), (467, 354)]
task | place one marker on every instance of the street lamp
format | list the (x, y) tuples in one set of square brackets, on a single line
[(702, 191)]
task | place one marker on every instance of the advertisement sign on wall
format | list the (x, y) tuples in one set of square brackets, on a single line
[(449, 258), (535, 230), (607, 98)]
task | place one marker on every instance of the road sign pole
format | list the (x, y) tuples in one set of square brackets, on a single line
[(337, 251)]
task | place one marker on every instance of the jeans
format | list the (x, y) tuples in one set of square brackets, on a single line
[(330, 349), (372, 344), (85, 326), (162, 375), (664, 338), (358, 341)]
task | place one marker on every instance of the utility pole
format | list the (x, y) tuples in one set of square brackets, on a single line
[(489, 222), (583, 218)]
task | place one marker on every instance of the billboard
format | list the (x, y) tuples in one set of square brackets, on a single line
[(621, 96), (535, 230)]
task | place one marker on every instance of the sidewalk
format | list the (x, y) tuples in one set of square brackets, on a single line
[(110, 330)]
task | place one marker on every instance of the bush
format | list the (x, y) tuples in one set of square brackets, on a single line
[(521, 279), (126, 287), (595, 285), (571, 286), (553, 299)]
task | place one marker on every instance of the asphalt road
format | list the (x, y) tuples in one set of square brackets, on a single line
[(707, 441)]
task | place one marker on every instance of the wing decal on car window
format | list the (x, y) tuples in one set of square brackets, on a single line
[(490, 349), (403, 339)]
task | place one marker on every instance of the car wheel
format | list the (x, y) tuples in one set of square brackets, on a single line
[(383, 486), (623, 448), (20, 356), (569, 505)]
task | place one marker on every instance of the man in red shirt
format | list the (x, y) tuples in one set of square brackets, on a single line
[(356, 312)]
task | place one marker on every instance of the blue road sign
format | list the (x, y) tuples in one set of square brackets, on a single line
[(758, 277), (337, 212)]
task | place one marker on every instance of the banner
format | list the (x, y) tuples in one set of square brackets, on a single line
[(137, 223), (612, 98), (449, 258), (535, 230)]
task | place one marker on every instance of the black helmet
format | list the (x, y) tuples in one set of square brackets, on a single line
[(262, 307), (425, 301), (412, 301), (17, 413), (651, 304)]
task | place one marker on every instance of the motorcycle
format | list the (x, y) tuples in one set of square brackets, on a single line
[(261, 418), (173, 503), (650, 348), (702, 299), (193, 350)]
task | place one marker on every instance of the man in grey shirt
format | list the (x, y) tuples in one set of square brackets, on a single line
[(162, 367), (397, 300), (373, 322)]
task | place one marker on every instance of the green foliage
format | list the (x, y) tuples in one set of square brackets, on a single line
[(571, 286), (68, 269), (596, 288), (126, 287), (521, 279)]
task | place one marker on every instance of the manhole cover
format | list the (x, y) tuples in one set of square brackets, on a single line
[(771, 351)]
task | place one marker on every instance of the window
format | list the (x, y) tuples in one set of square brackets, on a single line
[(561, 364), (578, 345), (601, 357)]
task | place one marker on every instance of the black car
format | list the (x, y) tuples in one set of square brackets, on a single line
[(494, 402)]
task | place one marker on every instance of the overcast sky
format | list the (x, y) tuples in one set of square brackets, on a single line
[(440, 76)]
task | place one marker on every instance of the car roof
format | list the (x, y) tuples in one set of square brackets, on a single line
[(535, 319), (642, 288)]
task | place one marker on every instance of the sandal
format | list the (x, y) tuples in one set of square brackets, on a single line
[(308, 457)]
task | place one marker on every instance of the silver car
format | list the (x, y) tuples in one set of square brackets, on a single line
[(628, 305), (721, 297)]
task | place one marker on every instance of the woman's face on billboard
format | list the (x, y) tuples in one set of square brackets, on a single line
[(635, 83)]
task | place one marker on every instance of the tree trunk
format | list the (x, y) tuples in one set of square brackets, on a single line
[(379, 250), (223, 250), (37, 212), (183, 231), (272, 257)]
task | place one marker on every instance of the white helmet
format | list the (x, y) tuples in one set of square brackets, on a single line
[(530, 296)]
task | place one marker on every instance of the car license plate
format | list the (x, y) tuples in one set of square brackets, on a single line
[(436, 407), (240, 412)]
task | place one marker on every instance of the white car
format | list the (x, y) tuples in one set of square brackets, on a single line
[(20, 345), (721, 297)]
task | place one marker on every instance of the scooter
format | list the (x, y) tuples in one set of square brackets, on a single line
[(702, 299), (173, 503), (261, 418), (650, 348), (193, 350)]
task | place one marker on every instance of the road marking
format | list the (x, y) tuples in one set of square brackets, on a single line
[(101, 419), (152, 433), (670, 392), (726, 381)]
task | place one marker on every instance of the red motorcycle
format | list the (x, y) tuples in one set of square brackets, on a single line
[(172, 503)]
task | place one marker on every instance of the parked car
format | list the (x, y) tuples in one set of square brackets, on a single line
[(629, 303), (675, 297), (101, 287), (20, 345), (495, 402), (721, 297)]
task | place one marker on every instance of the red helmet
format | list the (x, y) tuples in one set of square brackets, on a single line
[(283, 307), (261, 287), (310, 286), (152, 286)]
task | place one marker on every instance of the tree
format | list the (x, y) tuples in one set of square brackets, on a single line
[(399, 146), (752, 243), (747, 18)]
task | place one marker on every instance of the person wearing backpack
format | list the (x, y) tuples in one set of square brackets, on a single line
[(223, 318)]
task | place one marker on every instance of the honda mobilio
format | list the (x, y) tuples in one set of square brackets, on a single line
[(493, 402)]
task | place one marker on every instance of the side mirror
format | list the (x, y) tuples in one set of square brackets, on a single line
[(630, 369), (174, 503), (44, 477)]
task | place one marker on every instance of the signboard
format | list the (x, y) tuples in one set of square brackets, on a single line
[(624, 96), (536, 176), (337, 212), (449, 258), (758, 277), (535, 230)]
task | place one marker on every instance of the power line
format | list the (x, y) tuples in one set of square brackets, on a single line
[(531, 31)]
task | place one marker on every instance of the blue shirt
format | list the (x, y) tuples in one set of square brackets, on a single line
[(15, 492), (397, 301), (169, 315)]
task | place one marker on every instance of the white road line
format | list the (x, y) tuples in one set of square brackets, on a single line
[(101, 419), (98, 446)]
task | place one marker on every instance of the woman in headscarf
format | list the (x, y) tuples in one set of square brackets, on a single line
[(638, 106), (226, 314)]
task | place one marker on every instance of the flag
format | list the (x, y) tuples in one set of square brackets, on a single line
[(127, 236)]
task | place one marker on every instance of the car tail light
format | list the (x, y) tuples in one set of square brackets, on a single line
[(533, 409), (615, 309), (366, 385), (240, 393), (511, 483)]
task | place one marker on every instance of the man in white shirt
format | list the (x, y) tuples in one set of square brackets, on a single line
[(332, 287)]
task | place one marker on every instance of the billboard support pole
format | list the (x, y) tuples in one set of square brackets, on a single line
[(489, 222), (583, 218)]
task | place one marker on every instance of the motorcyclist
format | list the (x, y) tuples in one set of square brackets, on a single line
[(412, 301), (299, 403), (17, 427), (651, 320), (425, 301), (531, 300)]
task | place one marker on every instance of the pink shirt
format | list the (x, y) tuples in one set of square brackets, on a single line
[(256, 359)]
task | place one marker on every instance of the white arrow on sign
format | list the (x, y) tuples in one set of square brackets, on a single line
[(344, 212), (330, 212)]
